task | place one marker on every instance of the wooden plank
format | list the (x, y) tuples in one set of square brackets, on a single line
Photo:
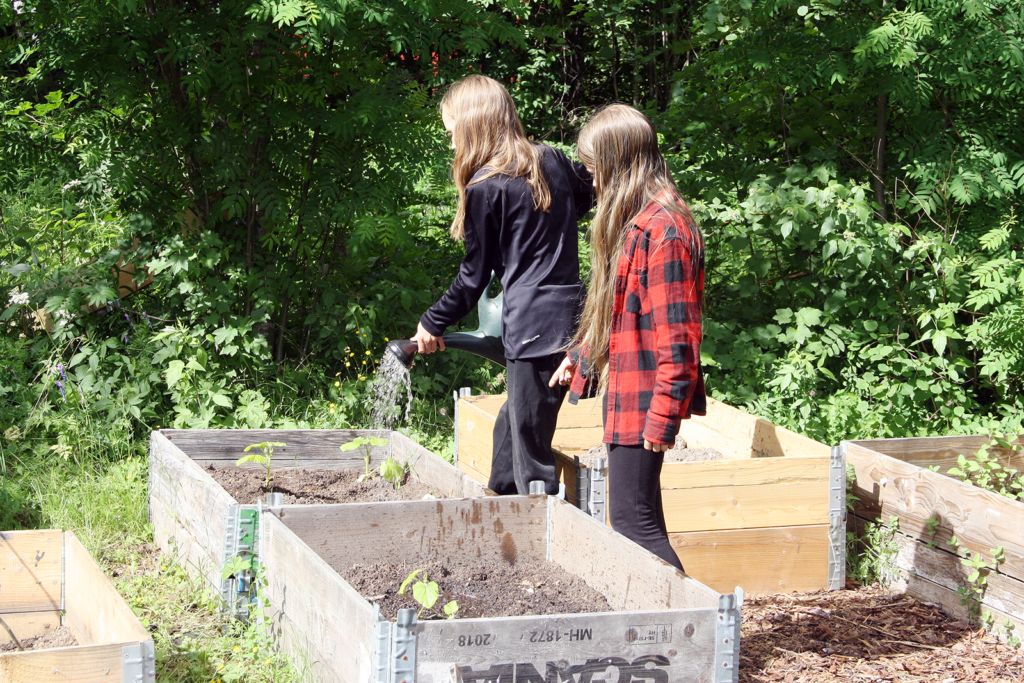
[(30, 570), (188, 510), (304, 448), (782, 559), (942, 451), (82, 664), (630, 577), (577, 440), (981, 520), (750, 472), (98, 611), (317, 615), (433, 471), (357, 533), (30, 624), (745, 507), (679, 646)]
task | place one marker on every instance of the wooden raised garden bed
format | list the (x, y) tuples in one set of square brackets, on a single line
[(196, 520), (769, 517), (922, 511), (668, 627), (48, 581)]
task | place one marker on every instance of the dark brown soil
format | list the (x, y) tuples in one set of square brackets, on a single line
[(482, 588), (60, 637), (867, 634), (678, 453), (314, 486)]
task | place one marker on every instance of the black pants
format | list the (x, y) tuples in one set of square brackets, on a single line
[(525, 426), (634, 499)]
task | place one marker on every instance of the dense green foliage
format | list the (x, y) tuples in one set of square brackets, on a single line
[(282, 168)]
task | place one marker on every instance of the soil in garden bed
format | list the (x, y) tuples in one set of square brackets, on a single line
[(678, 453), (482, 588), (867, 634), (312, 487), (60, 637)]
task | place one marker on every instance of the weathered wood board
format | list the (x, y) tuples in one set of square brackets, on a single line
[(931, 508), (189, 509), (670, 632), (771, 479), (94, 611)]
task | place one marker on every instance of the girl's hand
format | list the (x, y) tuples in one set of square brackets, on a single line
[(563, 375), (426, 342), (656, 447)]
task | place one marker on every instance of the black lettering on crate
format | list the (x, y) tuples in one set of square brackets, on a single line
[(645, 669)]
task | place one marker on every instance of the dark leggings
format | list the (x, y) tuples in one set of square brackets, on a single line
[(634, 499)]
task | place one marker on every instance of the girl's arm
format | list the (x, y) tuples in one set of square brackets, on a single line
[(483, 221), (672, 288)]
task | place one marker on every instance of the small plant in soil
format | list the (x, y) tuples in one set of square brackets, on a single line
[(426, 593), (365, 444), (985, 471), (394, 472), (264, 457)]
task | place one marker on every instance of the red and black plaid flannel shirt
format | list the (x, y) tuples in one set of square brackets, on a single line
[(654, 378)]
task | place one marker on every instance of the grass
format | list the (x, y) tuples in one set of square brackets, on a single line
[(105, 505)]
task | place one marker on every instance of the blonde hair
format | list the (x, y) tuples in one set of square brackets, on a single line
[(487, 134), (620, 148)]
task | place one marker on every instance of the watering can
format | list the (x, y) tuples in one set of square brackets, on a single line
[(485, 341)]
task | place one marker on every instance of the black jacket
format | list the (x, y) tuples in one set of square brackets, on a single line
[(533, 252)]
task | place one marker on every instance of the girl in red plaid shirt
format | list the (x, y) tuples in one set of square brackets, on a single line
[(638, 343)]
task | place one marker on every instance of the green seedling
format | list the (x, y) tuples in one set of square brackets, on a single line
[(932, 524), (393, 471), (235, 566), (264, 457), (985, 470), (365, 444), (426, 593)]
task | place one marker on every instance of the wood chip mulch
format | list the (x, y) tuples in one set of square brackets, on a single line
[(866, 634)]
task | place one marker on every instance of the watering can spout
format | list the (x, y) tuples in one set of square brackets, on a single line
[(485, 341)]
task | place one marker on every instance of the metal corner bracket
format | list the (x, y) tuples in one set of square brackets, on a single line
[(727, 637), (138, 663), (456, 395), (241, 536), (598, 490), (837, 519)]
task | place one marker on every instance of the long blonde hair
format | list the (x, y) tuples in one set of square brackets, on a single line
[(620, 148), (487, 134)]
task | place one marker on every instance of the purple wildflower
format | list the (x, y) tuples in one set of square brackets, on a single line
[(148, 321), (60, 369), (129, 319), (125, 337), (60, 385)]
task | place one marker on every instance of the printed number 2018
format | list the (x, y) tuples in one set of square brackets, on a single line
[(476, 640)]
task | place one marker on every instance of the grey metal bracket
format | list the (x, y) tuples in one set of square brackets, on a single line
[(582, 485), (403, 648), (382, 652), (241, 534), (456, 395), (138, 663), (727, 637), (837, 519), (598, 490)]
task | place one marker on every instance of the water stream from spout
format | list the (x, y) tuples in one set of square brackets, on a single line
[(386, 402)]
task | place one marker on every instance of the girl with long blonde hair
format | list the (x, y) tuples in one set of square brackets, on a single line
[(638, 342), (519, 204)]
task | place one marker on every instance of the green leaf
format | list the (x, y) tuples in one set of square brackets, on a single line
[(175, 370), (221, 400), (409, 579), (426, 593)]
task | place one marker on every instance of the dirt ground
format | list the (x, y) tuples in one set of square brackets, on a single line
[(482, 588), (60, 637), (866, 634), (678, 453), (315, 487)]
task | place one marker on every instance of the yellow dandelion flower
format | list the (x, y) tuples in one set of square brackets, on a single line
[(337, 374), (235, 648), (364, 362), (386, 339), (337, 384), (331, 411), (367, 352), (347, 364)]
